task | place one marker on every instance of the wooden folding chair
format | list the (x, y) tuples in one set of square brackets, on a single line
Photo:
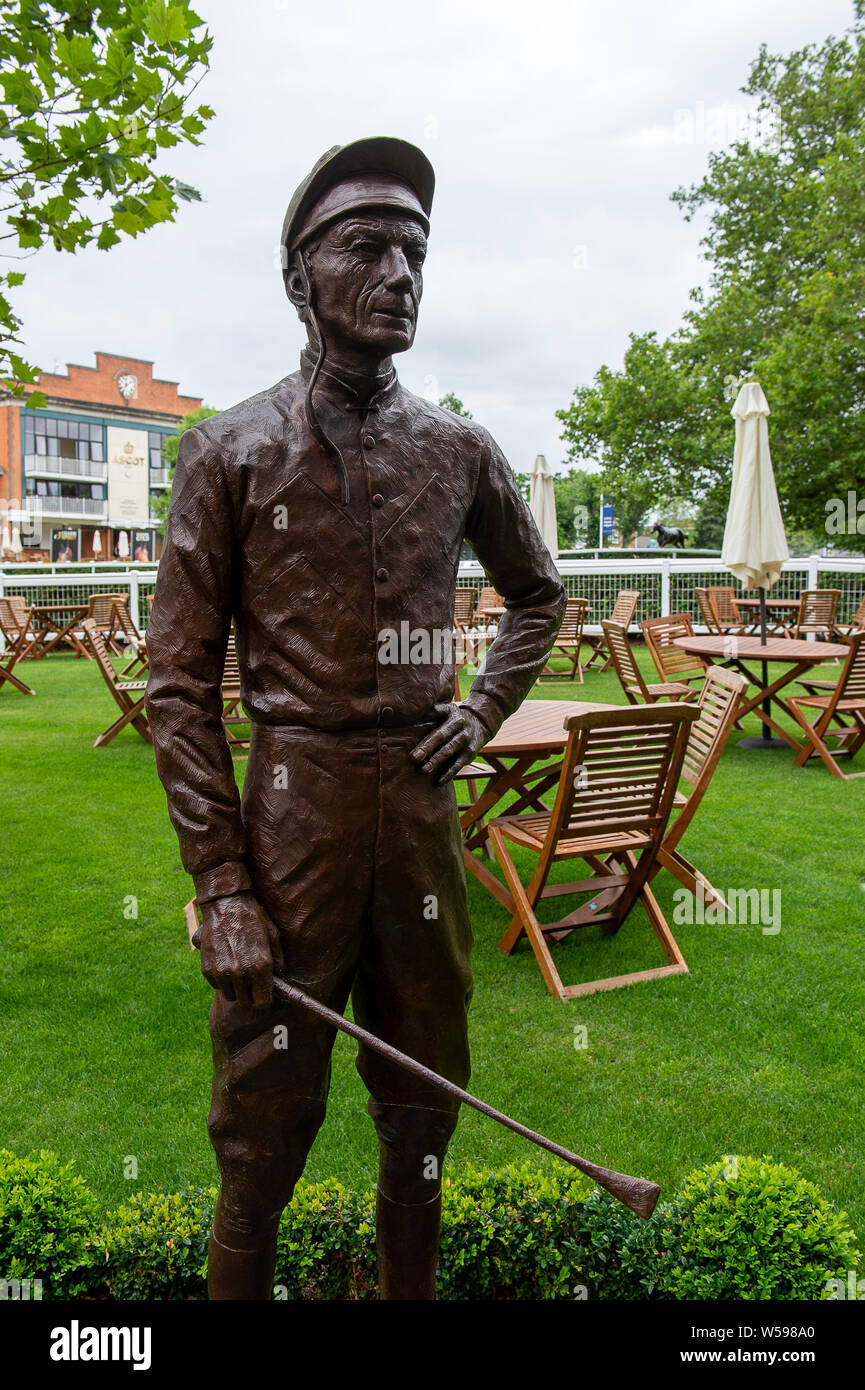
[(846, 630), (623, 612), (20, 607), (568, 642), (706, 740), (614, 799), (673, 663), (100, 610), (706, 615), (125, 639), (233, 714), (128, 694), (20, 641), (817, 612), (466, 644), (488, 598), (631, 677), (725, 610), (464, 607), (845, 703)]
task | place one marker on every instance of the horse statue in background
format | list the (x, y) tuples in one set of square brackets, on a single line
[(669, 537)]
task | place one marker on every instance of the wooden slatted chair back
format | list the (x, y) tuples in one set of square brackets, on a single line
[(625, 607), (121, 621), (12, 620), (621, 770), (858, 621), (671, 661), (231, 669), (717, 705), (99, 646), (817, 611), (571, 629), (851, 682), (624, 661), (489, 598), (464, 606), (705, 607), (722, 601), (100, 609)]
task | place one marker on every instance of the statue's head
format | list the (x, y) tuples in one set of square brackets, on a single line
[(354, 243)]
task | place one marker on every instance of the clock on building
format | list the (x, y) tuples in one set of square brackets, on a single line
[(127, 384)]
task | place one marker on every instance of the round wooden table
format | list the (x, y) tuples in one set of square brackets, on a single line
[(797, 656), (779, 611)]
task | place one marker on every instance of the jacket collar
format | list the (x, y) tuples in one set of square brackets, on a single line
[(349, 390)]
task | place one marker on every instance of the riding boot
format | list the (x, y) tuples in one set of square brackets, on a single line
[(407, 1242), (245, 1273)]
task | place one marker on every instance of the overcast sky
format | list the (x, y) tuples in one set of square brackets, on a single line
[(557, 132)]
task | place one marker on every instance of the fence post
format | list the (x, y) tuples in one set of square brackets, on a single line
[(813, 571), (665, 585), (133, 597)]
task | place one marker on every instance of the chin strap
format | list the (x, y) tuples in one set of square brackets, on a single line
[(309, 409)]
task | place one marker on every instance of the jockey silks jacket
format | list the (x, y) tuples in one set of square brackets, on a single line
[(258, 534)]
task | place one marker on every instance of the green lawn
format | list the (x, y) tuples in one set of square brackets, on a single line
[(103, 1017)]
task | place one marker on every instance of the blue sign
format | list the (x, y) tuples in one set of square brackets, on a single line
[(607, 519)]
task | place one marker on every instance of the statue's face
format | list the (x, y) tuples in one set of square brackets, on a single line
[(367, 274)]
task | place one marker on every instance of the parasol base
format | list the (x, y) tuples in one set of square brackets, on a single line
[(759, 742)]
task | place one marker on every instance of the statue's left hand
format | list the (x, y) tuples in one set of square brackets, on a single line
[(453, 744)]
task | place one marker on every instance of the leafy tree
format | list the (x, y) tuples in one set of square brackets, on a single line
[(578, 507), (92, 93), (785, 304), (159, 505), (453, 403)]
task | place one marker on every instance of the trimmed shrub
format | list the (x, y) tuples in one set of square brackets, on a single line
[(737, 1229), (748, 1228), (326, 1244), (617, 1250), (505, 1235), (48, 1219), (155, 1245), (512, 1234)]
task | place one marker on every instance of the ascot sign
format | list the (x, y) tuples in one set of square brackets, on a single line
[(128, 491)]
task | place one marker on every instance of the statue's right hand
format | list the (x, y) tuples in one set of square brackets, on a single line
[(240, 949)]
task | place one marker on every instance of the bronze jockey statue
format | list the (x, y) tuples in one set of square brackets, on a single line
[(320, 516)]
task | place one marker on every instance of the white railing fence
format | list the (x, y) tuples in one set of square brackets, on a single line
[(666, 585), (46, 584)]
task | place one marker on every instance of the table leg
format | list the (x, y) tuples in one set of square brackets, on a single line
[(757, 703)]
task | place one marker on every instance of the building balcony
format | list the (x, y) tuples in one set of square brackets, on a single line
[(83, 508), (45, 466)]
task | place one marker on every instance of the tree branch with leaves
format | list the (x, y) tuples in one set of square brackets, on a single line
[(92, 94)]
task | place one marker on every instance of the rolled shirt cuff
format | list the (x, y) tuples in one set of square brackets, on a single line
[(222, 881), (485, 710)]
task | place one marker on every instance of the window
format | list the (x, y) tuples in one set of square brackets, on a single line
[(67, 439)]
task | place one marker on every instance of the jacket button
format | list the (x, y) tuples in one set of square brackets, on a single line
[(381, 576), (378, 500), (368, 441)]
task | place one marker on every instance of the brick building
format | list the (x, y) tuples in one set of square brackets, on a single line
[(89, 463)]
